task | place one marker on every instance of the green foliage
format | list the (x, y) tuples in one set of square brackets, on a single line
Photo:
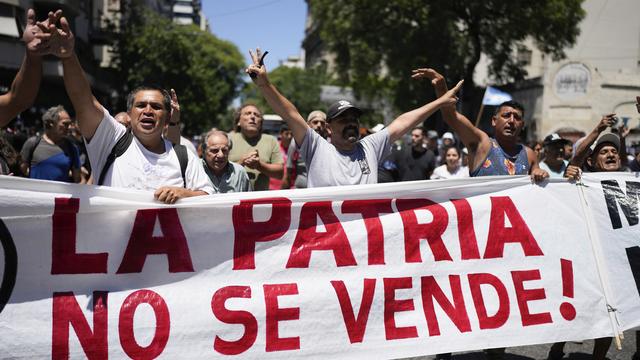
[(300, 86), (206, 72), (378, 42)]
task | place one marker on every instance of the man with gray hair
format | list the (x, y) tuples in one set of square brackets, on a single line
[(52, 156), (317, 121), (225, 176)]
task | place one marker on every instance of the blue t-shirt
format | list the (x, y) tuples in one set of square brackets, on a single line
[(498, 162), (51, 161)]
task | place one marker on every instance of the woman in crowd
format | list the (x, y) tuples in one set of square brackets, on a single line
[(451, 169)]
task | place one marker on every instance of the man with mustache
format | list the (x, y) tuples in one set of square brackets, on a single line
[(147, 161), (348, 160)]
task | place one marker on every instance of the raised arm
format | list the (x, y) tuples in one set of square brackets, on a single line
[(173, 127), (24, 87), (407, 121), (470, 135), (583, 150), (60, 43), (278, 103)]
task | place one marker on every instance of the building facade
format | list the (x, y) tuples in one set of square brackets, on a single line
[(189, 12), (600, 75), (91, 21)]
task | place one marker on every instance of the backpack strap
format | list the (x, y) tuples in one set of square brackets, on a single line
[(183, 158), (118, 149), (33, 149)]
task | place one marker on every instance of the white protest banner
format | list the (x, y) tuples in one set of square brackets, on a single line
[(389, 271), (613, 204)]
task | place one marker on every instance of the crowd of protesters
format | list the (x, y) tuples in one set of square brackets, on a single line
[(142, 147)]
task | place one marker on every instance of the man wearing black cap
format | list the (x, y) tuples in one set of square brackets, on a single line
[(348, 160), (554, 162)]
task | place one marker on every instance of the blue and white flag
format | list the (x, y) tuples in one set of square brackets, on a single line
[(493, 96)]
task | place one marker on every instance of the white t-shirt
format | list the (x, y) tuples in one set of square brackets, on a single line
[(441, 172), (139, 168), (326, 166), (552, 174)]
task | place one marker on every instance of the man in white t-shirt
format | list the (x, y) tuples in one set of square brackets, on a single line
[(554, 162), (150, 162), (347, 160)]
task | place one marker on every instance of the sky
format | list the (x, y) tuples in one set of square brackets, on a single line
[(273, 25)]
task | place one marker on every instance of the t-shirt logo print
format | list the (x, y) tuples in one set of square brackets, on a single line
[(364, 166)]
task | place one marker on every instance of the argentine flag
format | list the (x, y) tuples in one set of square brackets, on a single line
[(493, 96)]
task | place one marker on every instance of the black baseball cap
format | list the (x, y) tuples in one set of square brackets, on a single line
[(554, 138), (339, 107)]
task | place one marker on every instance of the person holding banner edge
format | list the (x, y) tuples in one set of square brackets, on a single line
[(351, 161), (600, 149), (149, 162)]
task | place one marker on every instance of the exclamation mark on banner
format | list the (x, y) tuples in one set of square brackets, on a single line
[(567, 310)]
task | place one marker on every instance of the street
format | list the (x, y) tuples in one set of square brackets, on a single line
[(573, 351)]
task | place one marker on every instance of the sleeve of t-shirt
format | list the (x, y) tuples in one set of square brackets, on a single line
[(309, 145), (27, 148), (103, 140), (276, 155), (436, 174), (195, 175), (378, 143)]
